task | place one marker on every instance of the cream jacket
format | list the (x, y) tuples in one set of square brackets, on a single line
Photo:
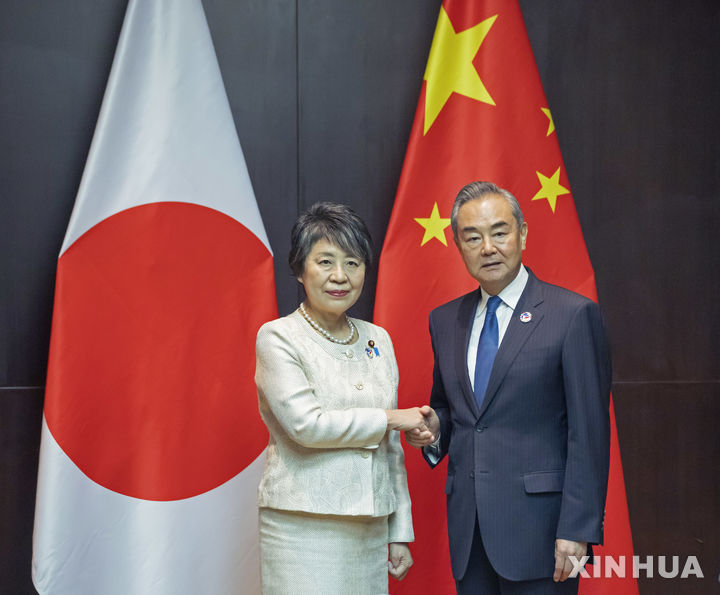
[(323, 403)]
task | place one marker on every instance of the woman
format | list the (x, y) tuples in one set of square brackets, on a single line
[(334, 504)]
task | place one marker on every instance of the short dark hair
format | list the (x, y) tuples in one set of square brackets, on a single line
[(476, 190), (336, 223)]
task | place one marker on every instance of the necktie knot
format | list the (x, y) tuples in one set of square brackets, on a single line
[(492, 305)]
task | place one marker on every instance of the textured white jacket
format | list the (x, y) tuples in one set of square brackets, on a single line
[(323, 404)]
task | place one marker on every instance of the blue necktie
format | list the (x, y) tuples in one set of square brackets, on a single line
[(487, 349)]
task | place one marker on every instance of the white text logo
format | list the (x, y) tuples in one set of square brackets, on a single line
[(609, 566)]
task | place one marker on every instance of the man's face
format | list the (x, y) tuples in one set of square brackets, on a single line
[(490, 242)]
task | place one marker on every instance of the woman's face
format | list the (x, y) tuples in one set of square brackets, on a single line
[(333, 279)]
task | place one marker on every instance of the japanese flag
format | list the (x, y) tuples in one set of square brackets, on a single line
[(152, 444)]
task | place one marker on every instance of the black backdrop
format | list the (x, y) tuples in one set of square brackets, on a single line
[(323, 93)]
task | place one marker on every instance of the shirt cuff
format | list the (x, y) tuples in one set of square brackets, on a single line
[(432, 451)]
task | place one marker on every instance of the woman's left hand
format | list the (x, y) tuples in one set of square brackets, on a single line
[(400, 560)]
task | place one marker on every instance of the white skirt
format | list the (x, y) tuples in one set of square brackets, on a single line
[(321, 554)]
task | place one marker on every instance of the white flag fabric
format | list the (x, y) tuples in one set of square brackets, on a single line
[(152, 445)]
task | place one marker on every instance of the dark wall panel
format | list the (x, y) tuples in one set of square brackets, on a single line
[(670, 449), (20, 420)]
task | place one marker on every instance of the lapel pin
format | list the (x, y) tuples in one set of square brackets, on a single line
[(371, 350), (525, 317)]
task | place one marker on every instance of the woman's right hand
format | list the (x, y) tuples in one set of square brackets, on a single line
[(418, 437), (406, 419)]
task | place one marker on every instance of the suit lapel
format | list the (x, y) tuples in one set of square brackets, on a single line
[(516, 335), (466, 315)]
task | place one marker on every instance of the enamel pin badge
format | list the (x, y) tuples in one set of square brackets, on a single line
[(525, 317), (371, 351)]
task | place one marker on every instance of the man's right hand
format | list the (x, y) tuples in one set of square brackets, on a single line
[(423, 437)]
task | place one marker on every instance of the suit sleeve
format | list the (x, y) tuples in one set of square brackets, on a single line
[(587, 377), (400, 529), (438, 401), (283, 387)]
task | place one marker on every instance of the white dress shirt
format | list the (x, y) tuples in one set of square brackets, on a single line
[(510, 297)]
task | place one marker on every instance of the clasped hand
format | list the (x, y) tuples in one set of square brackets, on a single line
[(414, 419), (427, 433)]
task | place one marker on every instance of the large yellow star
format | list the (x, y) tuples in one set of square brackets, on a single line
[(551, 125), (550, 188), (434, 226), (450, 66)]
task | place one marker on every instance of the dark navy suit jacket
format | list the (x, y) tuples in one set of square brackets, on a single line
[(532, 464)]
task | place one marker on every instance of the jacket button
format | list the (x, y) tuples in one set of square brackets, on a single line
[(472, 474), (349, 353), (480, 428), (364, 454)]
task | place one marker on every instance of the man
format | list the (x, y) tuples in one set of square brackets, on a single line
[(519, 403)]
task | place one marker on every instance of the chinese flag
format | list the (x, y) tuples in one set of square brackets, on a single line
[(152, 444), (482, 115)]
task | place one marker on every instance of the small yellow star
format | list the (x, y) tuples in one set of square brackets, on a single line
[(550, 188), (434, 226), (450, 66), (551, 125)]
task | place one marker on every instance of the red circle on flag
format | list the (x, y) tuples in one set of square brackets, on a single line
[(150, 381)]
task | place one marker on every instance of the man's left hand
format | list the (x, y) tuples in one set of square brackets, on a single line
[(563, 550)]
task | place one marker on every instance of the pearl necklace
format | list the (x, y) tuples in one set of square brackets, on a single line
[(326, 334)]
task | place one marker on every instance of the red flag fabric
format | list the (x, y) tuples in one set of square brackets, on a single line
[(482, 115), (152, 444)]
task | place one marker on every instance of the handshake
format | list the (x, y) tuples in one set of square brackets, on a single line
[(420, 424)]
